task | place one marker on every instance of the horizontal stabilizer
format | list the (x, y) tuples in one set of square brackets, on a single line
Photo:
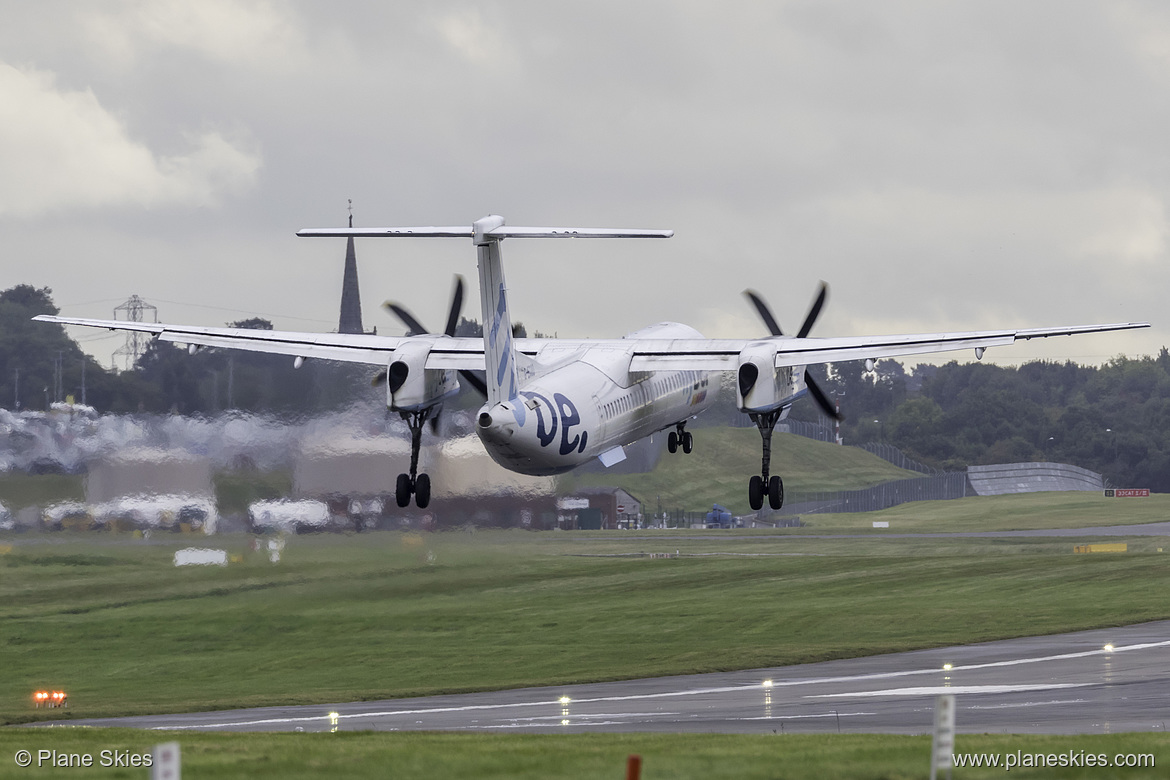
[(505, 231)]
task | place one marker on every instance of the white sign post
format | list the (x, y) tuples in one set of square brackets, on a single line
[(164, 764), (943, 746)]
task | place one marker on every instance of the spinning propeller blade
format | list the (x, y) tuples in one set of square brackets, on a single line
[(814, 311), (822, 400), (764, 312)]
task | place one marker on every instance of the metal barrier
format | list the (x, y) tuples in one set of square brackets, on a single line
[(940, 487)]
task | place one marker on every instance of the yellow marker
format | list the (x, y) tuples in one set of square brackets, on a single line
[(1098, 548)]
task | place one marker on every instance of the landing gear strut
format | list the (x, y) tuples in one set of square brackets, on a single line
[(773, 486), (414, 483), (680, 436)]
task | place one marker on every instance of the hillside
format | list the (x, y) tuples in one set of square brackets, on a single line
[(723, 460)]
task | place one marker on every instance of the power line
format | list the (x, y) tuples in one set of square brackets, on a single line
[(134, 310)]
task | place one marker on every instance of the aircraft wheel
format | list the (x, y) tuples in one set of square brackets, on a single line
[(688, 442), (775, 492), (422, 491), (402, 490), (756, 492), (672, 442)]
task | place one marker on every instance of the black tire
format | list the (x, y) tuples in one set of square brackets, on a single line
[(422, 491), (756, 492), (402, 490), (688, 442), (672, 442), (775, 492)]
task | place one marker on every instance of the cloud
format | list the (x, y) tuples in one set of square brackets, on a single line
[(61, 149), (255, 34), (473, 39)]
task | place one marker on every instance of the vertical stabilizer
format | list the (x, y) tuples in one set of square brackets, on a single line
[(499, 354)]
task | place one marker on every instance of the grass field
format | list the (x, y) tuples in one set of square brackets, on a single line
[(427, 756), (388, 614), (1004, 513), (718, 470)]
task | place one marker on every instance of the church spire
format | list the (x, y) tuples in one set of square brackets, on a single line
[(351, 302)]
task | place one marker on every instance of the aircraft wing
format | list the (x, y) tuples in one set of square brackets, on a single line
[(647, 354), (345, 347), (723, 355)]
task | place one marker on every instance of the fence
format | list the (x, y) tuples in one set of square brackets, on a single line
[(891, 454), (940, 487), (825, 431), (822, 431), (681, 518)]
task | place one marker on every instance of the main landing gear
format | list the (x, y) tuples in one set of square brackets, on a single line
[(418, 485), (680, 436), (772, 486)]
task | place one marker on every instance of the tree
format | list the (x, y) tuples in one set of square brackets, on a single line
[(35, 349)]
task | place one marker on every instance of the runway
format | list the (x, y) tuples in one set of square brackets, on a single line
[(1061, 684), (1143, 529)]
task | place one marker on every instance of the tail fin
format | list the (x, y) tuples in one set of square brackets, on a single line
[(499, 354)]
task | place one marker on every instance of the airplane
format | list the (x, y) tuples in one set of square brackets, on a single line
[(554, 404)]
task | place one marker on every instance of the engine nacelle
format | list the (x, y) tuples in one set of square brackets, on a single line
[(759, 385), (410, 385)]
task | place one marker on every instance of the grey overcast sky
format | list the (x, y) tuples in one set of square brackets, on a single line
[(943, 165)]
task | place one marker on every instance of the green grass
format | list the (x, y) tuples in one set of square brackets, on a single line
[(723, 459), (110, 620), (1004, 513), (426, 755)]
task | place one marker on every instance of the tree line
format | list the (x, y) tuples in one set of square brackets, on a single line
[(40, 364), (1113, 419)]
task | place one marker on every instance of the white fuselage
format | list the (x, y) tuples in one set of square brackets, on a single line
[(585, 402)]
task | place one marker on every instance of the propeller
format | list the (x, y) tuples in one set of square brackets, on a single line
[(774, 328), (416, 328)]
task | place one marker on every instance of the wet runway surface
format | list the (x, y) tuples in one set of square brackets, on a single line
[(1061, 684)]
